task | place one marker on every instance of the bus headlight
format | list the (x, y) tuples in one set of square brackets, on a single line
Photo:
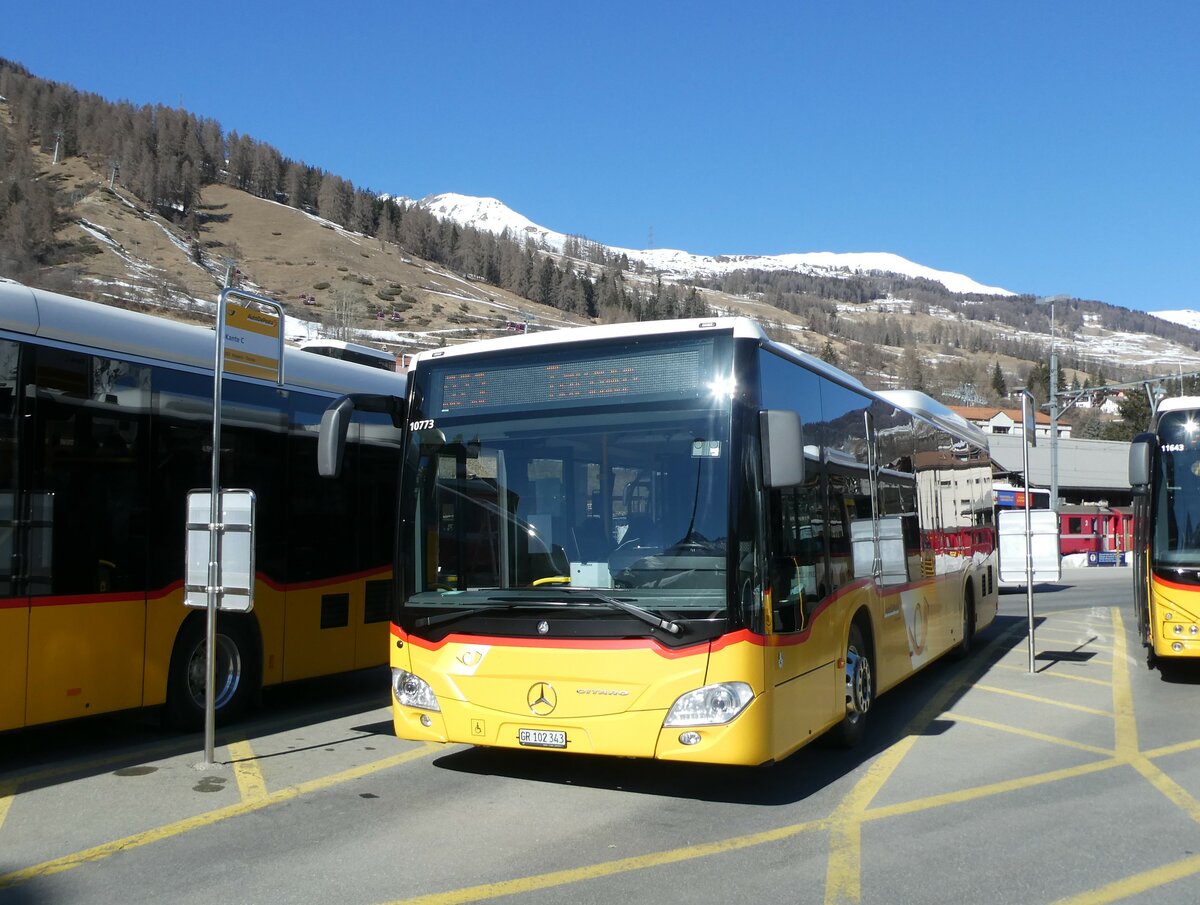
[(413, 691), (711, 705)]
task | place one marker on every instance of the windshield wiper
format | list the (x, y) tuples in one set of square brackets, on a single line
[(626, 607), (426, 621), (495, 603), (508, 603)]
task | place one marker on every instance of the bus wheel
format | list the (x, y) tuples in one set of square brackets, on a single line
[(968, 627), (234, 678), (860, 691)]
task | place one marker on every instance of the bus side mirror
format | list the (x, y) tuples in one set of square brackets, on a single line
[(1141, 451), (331, 440), (335, 422), (782, 448)]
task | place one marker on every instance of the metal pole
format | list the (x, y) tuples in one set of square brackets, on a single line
[(1053, 415), (214, 546), (1026, 402)]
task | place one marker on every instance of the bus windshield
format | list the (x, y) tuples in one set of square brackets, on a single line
[(1177, 503), (588, 508)]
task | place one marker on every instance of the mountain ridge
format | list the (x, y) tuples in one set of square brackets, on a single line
[(495, 216)]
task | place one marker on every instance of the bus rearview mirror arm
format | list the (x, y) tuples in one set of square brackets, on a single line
[(782, 448), (335, 422)]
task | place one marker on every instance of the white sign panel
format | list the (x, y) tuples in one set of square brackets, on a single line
[(236, 572), (1044, 547)]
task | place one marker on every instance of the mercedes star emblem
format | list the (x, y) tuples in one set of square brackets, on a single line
[(542, 698)]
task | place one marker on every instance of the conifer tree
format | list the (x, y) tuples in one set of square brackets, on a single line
[(999, 386)]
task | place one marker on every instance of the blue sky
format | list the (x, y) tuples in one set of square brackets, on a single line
[(1046, 147)]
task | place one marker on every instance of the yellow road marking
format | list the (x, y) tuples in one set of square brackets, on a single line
[(178, 827), (1138, 883), (1059, 619), (1179, 748), (1125, 721), (1068, 634), (1028, 733), (843, 870), (249, 777), (996, 788), (1039, 700), (843, 875), (1055, 675), (609, 868), (8, 791), (1127, 737)]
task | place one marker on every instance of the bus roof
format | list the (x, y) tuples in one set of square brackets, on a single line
[(342, 345), (917, 403), (741, 327), (62, 318), (1178, 404)]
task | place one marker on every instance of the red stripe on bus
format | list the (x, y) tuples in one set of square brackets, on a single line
[(124, 596), (1195, 589), (320, 582)]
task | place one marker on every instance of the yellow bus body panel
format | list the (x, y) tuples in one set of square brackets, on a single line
[(484, 687), (89, 658), (1182, 604), (164, 616), (316, 651), (14, 652)]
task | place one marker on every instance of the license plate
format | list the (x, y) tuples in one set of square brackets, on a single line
[(542, 738)]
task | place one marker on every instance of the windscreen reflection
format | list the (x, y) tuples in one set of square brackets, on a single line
[(630, 505)]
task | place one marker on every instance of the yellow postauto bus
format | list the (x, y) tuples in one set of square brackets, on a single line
[(105, 425), (1164, 472), (674, 540)]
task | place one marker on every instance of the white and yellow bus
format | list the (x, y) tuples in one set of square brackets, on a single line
[(1164, 471), (674, 540), (105, 425)]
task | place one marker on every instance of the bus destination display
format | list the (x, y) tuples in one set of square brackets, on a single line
[(676, 374)]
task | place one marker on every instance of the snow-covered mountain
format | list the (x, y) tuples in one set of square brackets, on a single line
[(1185, 317), (494, 216)]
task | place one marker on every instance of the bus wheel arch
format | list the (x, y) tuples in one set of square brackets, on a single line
[(859, 678), (238, 669)]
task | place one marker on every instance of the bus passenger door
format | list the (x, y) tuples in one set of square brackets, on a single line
[(802, 648), (84, 534)]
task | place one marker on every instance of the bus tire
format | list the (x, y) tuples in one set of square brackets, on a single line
[(860, 691), (236, 672), (967, 644)]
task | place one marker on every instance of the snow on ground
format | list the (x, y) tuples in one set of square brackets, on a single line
[(1186, 317)]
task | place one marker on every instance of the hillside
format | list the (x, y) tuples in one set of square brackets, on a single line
[(129, 255)]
